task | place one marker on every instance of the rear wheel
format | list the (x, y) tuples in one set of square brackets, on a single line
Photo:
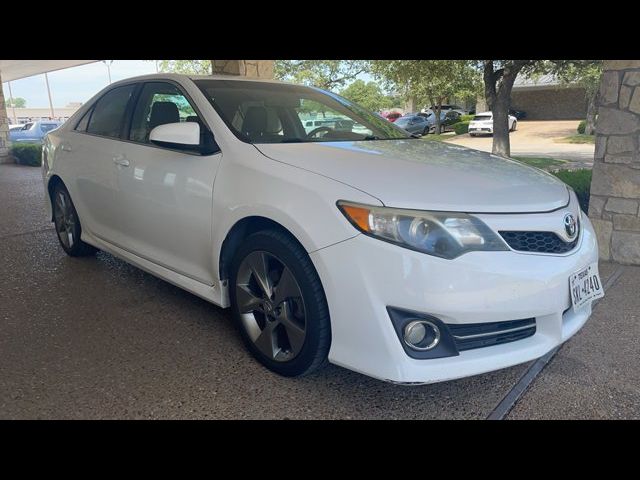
[(279, 304), (67, 224)]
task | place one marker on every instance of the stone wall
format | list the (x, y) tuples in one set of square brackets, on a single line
[(245, 68), (4, 129), (615, 188)]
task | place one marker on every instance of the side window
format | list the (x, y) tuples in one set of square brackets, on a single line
[(47, 127), (160, 103), (108, 113), (82, 124)]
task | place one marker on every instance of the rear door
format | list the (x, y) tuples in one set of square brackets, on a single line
[(90, 150), (165, 195)]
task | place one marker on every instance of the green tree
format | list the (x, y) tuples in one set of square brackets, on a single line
[(587, 74), (429, 81), (17, 102), (326, 74), (190, 67), (369, 95)]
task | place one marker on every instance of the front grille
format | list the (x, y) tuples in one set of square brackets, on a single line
[(538, 242), (478, 335)]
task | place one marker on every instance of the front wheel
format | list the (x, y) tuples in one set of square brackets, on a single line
[(514, 126), (279, 304)]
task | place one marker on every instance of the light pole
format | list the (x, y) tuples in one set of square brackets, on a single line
[(108, 65)]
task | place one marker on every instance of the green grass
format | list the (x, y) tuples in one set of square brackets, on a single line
[(578, 138), (540, 162), (580, 181)]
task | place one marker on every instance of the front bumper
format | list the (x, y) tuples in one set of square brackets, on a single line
[(363, 276)]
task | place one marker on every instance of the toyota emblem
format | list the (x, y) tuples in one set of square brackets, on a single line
[(570, 225)]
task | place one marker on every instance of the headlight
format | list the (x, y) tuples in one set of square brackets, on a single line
[(442, 234)]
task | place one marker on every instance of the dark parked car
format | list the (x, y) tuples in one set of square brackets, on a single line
[(446, 119), (518, 114), (33, 132), (414, 124)]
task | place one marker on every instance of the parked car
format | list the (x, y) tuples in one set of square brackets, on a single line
[(413, 124), (446, 120), (33, 132), (482, 123), (519, 114), (406, 260), (446, 108), (393, 116)]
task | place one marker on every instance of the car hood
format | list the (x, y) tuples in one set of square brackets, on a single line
[(420, 174)]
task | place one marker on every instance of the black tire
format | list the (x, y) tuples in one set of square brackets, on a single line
[(314, 351), (425, 131), (67, 222), (514, 126)]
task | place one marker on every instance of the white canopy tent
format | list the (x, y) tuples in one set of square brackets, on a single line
[(17, 69)]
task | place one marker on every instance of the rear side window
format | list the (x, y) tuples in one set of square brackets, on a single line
[(82, 124), (47, 127), (108, 113)]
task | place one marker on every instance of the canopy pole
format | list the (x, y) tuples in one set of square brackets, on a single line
[(13, 105), (46, 79)]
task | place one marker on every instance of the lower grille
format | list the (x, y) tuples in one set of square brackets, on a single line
[(539, 242), (477, 335)]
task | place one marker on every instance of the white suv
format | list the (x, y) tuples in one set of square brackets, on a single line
[(482, 123), (352, 243)]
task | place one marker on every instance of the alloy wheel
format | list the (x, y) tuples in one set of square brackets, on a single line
[(65, 220), (271, 306)]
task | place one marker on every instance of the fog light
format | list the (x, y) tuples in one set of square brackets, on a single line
[(421, 335)]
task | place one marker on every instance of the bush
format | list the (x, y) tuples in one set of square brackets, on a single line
[(580, 181), (27, 154), (460, 127), (466, 118), (582, 126)]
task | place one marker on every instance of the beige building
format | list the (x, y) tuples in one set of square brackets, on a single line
[(24, 115)]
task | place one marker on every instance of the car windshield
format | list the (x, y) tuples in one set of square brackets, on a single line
[(262, 112)]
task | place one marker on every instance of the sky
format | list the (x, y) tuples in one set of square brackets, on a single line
[(79, 84), (76, 84)]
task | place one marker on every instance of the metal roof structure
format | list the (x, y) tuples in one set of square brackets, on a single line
[(16, 69)]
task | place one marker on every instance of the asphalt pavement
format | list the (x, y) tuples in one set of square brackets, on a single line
[(85, 338)]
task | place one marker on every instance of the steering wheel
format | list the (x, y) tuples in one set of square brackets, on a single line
[(318, 130)]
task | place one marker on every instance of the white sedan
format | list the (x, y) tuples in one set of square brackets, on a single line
[(355, 244), (482, 123)]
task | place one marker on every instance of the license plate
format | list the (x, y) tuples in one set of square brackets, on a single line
[(585, 286)]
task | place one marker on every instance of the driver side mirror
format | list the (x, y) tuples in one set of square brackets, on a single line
[(180, 135)]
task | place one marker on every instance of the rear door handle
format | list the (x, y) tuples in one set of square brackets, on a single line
[(121, 160)]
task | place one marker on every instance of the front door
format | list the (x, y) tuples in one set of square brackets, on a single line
[(166, 195)]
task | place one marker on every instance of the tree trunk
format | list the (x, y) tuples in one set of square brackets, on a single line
[(592, 111), (501, 145)]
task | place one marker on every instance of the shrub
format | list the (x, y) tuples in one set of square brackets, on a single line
[(580, 181), (466, 118), (582, 126), (460, 127), (27, 154)]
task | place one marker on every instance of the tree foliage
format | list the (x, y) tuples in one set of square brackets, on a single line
[(369, 95), (429, 82), (326, 74), (189, 67), (17, 102)]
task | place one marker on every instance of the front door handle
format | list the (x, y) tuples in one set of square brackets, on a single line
[(121, 160)]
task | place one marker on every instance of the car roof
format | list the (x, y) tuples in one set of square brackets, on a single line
[(180, 76), (485, 113)]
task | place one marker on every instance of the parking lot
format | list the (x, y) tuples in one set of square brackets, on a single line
[(98, 338)]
